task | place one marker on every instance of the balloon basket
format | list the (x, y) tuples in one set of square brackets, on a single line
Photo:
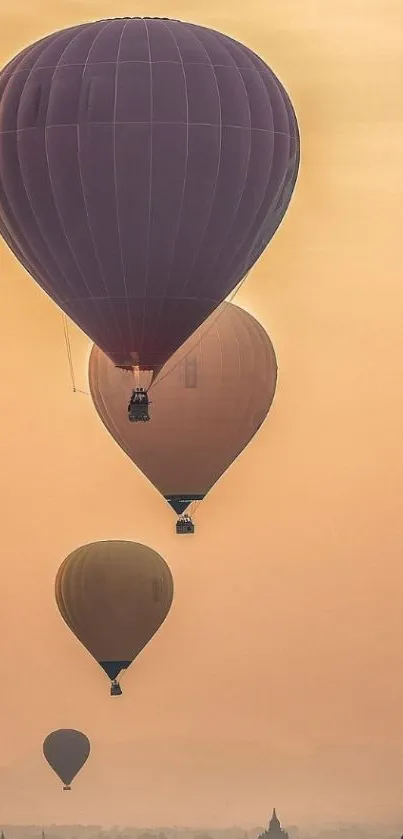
[(139, 417), (185, 525), (66, 787), (138, 406)]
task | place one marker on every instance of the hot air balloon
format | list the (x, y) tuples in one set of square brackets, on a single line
[(207, 403), (145, 164), (66, 751), (114, 596)]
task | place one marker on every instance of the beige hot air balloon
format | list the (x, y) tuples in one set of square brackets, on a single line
[(114, 596), (206, 406)]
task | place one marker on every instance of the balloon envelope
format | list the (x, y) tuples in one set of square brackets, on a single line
[(66, 751), (145, 164), (114, 596), (206, 405)]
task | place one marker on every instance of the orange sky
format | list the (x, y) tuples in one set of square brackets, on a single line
[(278, 677)]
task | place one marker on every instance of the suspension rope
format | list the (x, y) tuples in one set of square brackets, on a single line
[(193, 507), (70, 356), (69, 353)]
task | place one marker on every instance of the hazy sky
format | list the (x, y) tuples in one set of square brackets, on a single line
[(278, 676)]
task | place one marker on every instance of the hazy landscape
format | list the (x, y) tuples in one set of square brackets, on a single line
[(342, 831)]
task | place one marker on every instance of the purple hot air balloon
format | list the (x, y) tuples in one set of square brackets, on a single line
[(145, 164)]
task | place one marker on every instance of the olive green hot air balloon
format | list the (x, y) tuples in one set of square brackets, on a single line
[(114, 596)]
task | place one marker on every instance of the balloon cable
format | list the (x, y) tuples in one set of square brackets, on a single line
[(68, 349), (70, 356)]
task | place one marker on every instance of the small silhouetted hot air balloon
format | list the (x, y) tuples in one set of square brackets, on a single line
[(145, 164), (207, 404), (114, 596), (66, 751)]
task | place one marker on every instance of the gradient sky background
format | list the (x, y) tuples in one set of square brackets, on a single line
[(278, 677)]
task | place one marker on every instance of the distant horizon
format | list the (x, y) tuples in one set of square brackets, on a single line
[(325, 826)]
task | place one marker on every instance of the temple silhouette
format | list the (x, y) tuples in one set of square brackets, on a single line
[(274, 830)]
